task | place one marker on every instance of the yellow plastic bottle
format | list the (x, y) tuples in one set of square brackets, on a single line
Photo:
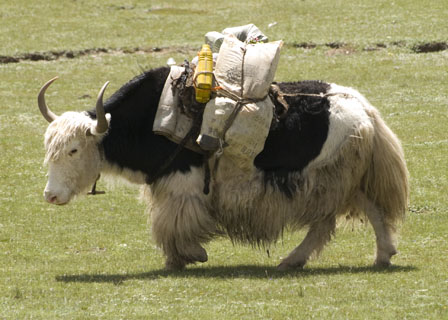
[(204, 74)]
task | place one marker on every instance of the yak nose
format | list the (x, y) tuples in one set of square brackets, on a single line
[(51, 198)]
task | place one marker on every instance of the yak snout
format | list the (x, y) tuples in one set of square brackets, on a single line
[(53, 199)]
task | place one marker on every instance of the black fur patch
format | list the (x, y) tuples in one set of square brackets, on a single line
[(297, 138), (130, 142)]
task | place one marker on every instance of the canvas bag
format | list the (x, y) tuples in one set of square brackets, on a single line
[(169, 120), (246, 33), (245, 137), (247, 70)]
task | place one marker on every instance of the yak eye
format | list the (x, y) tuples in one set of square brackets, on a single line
[(73, 151)]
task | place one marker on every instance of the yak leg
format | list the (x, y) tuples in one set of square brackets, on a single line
[(179, 227), (181, 219), (384, 232), (178, 239), (316, 238)]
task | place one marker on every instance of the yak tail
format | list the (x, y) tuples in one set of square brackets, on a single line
[(386, 181)]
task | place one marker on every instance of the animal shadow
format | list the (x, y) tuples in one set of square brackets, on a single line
[(229, 272)]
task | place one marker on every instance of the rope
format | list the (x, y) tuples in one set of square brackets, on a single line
[(320, 95)]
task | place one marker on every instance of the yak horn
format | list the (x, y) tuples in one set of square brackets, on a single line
[(101, 122), (46, 112)]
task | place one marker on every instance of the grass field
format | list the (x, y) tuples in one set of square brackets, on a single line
[(95, 258)]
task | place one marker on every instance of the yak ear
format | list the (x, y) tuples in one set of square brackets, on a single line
[(93, 129)]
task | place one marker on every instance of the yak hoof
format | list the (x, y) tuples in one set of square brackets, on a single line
[(178, 262), (174, 264), (382, 263), (284, 266), (383, 259), (174, 267), (199, 254)]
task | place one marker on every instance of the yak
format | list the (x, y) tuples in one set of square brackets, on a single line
[(330, 156)]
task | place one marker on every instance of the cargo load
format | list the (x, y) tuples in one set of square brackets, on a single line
[(237, 121), (237, 118)]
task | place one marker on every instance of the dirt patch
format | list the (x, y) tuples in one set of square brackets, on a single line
[(336, 45), (345, 48), (50, 55), (430, 47), (305, 45), (8, 59), (336, 48), (69, 54)]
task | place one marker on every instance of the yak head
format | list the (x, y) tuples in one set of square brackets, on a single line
[(73, 153)]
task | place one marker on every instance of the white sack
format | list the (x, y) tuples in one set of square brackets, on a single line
[(214, 40), (169, 120), (247, 134), (252, 77), (245, 33)]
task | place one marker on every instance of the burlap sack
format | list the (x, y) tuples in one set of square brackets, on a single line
[(246, 33), (246, 136), (169, 120), (247, 70)]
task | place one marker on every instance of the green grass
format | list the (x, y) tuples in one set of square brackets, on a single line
[(29, 26), (95, 258)]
